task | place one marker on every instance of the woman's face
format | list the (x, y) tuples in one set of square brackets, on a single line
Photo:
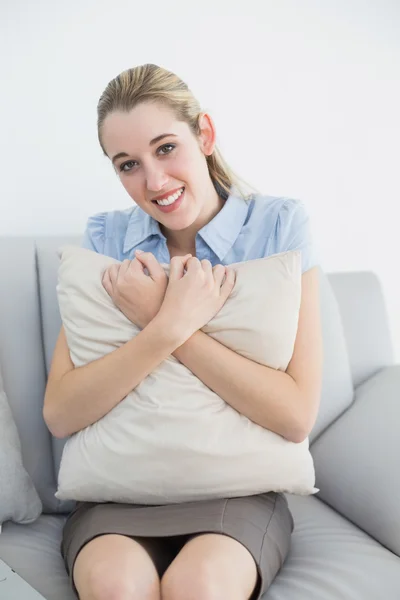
[(159, 158)]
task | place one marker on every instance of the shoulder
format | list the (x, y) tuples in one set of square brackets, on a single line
[(105, 228), (276, 216), (292, 219), (286, 225), (277, 210)]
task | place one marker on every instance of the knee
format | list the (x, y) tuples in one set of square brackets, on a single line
[(203, 583), (102, 587), (101, 584)]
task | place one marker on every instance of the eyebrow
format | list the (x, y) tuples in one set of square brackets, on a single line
[(153, 141)]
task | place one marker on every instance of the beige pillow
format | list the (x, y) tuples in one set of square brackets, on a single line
[(172, 439)]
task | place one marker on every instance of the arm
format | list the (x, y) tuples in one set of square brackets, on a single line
[(77, 397), (283, 402)]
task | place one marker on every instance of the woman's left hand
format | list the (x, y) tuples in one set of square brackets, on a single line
[(138, 295)]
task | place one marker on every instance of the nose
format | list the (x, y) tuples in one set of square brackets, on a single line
[(156, 178)]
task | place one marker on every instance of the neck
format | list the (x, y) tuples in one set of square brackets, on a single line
[(184, 241)]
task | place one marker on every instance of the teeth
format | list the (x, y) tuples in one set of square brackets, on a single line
[(170, 199)]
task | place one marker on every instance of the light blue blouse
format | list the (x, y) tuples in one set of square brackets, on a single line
[(242, 230)]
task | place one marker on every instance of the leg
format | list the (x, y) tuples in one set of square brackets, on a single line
[(116, 567), (210, 567)]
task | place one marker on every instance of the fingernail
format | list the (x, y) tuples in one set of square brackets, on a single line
[(139, 251)]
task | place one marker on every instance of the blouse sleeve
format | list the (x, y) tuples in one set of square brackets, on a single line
[(94, 235), (294, 232)]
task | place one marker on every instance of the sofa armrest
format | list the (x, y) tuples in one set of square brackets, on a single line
[(357, 459)]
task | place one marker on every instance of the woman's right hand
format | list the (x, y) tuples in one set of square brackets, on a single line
[(194, 297), (138, 295)]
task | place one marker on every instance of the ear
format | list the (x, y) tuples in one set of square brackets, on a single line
[(207, 135)]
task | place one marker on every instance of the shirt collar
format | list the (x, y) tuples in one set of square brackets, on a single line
[(141, 226), (223, 230), (219, 234)]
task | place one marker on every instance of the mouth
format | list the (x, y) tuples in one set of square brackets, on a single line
[(172, 202)]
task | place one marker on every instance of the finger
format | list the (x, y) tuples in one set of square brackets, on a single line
[(136, 266), (184, 259), (106, 281), (219, 273), (229, 282), (148, 260), (123, 268), (113, 272), (208, 272), (193, 266), (176, 268), (207, 267)]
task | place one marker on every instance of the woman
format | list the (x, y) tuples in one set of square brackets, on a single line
[(189, 212)]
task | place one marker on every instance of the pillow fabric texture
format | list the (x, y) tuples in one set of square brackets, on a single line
[(172, 439), (19, 500)]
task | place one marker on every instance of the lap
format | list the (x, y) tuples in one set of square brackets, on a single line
[(261, 524)]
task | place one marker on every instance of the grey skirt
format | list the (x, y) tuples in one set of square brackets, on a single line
[(262, 523)]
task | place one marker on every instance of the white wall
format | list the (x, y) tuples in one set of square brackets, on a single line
[(305, 95)]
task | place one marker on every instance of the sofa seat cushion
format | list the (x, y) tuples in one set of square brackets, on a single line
[(33, 551), (331, 559), (357, 459)]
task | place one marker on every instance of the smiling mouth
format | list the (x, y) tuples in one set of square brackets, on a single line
[(170, 199)]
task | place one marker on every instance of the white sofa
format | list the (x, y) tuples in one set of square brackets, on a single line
[(346, 542)]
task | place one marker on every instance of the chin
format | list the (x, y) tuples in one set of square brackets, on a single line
[(181, 221), (178, 224)]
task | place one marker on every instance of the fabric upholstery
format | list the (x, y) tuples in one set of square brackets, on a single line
[(337, 386), (329, 559), (332, 559), (365, 323), (21, 360), (358, 459), (33, 551)]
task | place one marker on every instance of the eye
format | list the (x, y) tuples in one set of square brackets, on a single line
[(121, 167), (166, 149)]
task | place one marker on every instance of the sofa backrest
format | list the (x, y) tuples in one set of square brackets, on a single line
[(30, 324), (337, 386), (21, 358), (365, 323)]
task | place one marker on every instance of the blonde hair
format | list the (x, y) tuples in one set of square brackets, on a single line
[(151, 83)]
